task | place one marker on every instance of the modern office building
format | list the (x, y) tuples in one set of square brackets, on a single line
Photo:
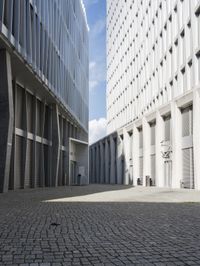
[(153, 95), (43, 93)]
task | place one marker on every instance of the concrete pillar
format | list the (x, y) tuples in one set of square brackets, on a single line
[(176, 145), (135, 152), (90, 164), (159, 137), (25, 144), (34, 141), (42, 171), (119, 160), (66, 153), (97, 164), (60, 171), (102, 163), (196, 137), (6, 118), (146, 149), (107, 166), (112, 160), (126, 156), (49, 179), (66, 159), (93, 165), (55, 145)]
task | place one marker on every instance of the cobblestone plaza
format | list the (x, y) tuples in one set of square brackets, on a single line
[(88, 226)]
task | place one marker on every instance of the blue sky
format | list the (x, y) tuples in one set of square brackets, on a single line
[(96, 16)]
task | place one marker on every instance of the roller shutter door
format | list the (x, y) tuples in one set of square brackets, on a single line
[(168, 173), (188, 168), (153, 169), (187, 121)]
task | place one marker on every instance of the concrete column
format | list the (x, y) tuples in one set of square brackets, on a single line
[(97, 164), (112, 160), (55, 145), (66, 159), (6, 119), (102, 163), (146, 150), (159, 137), (25, 144), (196, 137), (60, 171), (135, 159), (126, 156), (34, 141), (13, 157), (95, 161), (49, 179), (176, 145), (107, 166), (91, 164), (42, 171), (119, 159)]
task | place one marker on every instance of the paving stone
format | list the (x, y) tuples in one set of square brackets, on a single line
[(96, 233)]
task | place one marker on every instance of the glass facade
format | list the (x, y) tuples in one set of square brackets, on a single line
[(52, 38)]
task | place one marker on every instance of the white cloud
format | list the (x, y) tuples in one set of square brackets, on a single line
[(97, 28), (88, 3), (92, 65), (97, 129), (93, 84), (97, 73)]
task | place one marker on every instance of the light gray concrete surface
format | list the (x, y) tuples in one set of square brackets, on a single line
[(118, 193), (99, 225)]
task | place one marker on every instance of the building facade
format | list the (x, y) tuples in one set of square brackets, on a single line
[(43, 93), (153, 95)]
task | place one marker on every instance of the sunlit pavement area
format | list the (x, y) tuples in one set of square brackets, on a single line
[(100, 225)]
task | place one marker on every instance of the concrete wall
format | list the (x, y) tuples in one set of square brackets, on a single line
[(153, 76), (175, 147)]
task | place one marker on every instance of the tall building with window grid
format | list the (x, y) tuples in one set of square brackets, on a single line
[(153, 101), (43, 93)]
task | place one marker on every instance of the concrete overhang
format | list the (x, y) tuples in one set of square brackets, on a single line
[(79, 159)]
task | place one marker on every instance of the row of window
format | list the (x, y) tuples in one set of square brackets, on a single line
[(149, 71), (52, 36)]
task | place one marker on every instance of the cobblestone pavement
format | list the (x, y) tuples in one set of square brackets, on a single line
[(36, 229)]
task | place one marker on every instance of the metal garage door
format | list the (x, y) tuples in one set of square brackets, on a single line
[(168, 173), (188, 168), (187, 121), (153, 169)]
